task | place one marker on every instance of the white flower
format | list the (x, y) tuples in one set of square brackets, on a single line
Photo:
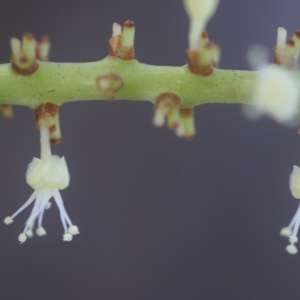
[(276, 94), (46, 176), (292, 230)]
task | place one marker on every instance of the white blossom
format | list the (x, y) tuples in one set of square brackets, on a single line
[(46, 176), (276, 94)]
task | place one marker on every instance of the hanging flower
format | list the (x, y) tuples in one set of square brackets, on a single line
[(292, 230), (46, 176)]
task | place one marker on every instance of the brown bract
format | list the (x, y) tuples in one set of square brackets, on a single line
[(194, 63), (109, 85), (49, 112), (115, 46), (7, 111), (119, 46), (186, 112), (22, 70), (167, 100)]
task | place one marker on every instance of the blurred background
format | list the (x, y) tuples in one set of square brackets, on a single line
[(160, 218)]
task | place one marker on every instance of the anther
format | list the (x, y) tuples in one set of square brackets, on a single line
[(22, 238), (73, 230), (40, 231), (67, 237)]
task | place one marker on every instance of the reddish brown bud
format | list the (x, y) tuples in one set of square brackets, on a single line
[(109, 85), (7, 111), (195, 65), (49, 112), (129, 23)]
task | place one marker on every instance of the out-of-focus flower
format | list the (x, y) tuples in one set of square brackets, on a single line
[(276, 94)]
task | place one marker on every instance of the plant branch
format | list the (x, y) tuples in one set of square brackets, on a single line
[(65, 82)]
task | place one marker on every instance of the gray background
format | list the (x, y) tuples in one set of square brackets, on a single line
[(160, 218)]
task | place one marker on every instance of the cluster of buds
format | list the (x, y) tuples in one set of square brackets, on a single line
[(46, 176), (122, 41), (25, 54), (181, 120), (203, 55), (287, 54)]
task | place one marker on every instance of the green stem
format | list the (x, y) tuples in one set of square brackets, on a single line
[(65, 82)]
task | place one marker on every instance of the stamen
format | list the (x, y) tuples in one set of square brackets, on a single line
[(28, 202), (291, 232), (63, 213)]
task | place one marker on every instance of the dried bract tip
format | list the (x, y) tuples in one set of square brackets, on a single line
[(7, 111), (188, 122), (199, 12), (166, 104), (109, 85), (42, 49), (49, 112), (23, 58)]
